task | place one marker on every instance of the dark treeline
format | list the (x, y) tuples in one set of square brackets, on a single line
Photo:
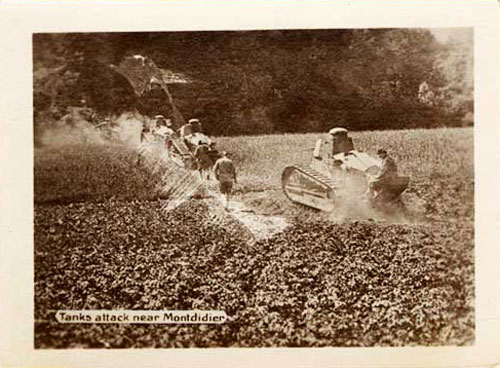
[(268, 81)]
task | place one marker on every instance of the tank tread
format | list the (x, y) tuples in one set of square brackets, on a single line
[(318, 176), (320, 196)]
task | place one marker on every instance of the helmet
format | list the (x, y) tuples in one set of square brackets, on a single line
[(160, 120), (193, 121)]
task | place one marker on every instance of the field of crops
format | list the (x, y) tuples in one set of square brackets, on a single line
[(103, 240)]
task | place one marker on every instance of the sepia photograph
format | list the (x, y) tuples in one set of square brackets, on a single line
[(316, 186), (249, 183)]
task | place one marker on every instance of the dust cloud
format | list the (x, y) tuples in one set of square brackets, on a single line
[(125, 129), (78, 133), (128, 128)]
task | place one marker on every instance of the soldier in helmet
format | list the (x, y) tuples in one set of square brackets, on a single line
[(186, 130), (159, 120), (388, 171), (164, 129), (195, 126)]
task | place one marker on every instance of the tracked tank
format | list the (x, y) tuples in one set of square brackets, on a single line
[(337, 172)]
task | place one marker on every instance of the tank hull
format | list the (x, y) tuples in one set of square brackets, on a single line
[(330, 182)]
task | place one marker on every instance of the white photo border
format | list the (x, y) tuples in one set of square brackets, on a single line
[(19, 19)]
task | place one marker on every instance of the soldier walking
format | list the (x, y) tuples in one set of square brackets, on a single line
[(203, 160), (225, 173)]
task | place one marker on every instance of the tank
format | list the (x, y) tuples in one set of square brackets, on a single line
[(338, 172)]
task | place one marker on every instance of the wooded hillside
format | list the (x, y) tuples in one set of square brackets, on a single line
[(257, 82)]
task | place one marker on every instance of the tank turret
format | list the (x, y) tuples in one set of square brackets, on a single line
[(341, 142)]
